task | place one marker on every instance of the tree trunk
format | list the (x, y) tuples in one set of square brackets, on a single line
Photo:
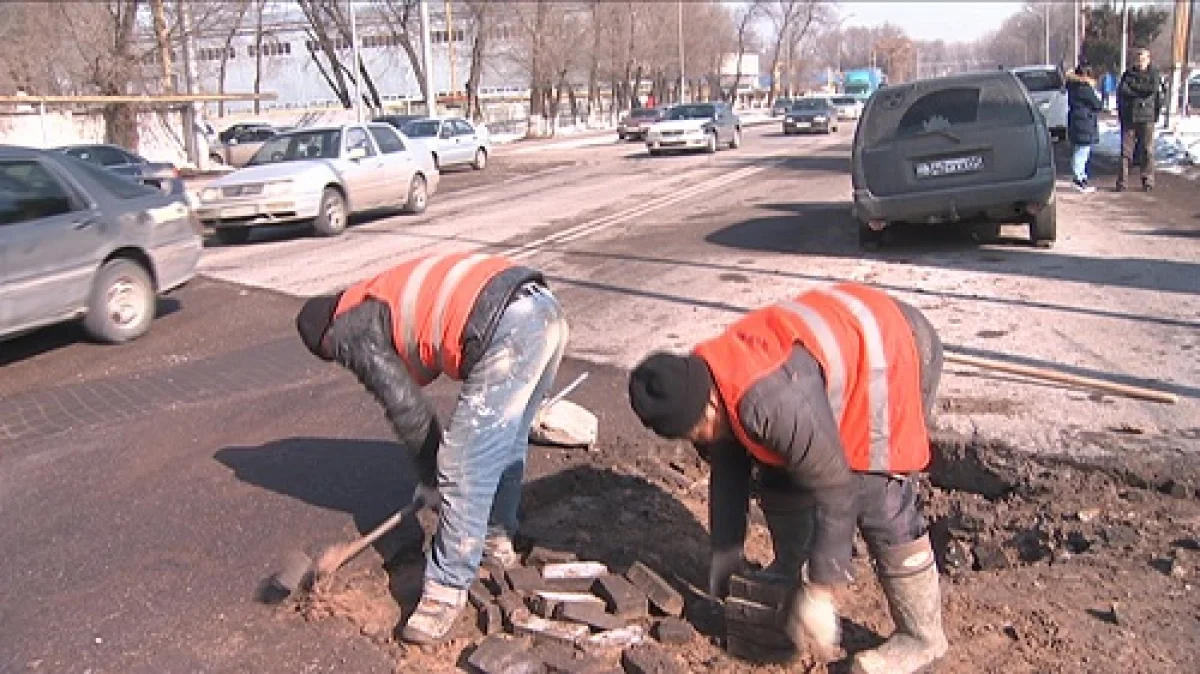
[(478, 49), (258, 23), (162, 33), (537, 93), (227, 45)]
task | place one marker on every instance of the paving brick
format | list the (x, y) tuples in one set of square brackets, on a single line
[(562, 659), (502, 654), (524, 622), (524, 579), (673, 631), (491, 619), (610, 643), (746, 611), (479, 594), (771, 594), (542, 555), (491, 573), (568, 584), (658, 591), (509, 603), (649, 658), (546, 603), (623, 599), (592, 615), (574, 570)]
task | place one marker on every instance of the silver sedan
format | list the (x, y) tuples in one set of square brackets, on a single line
[(321, 175)]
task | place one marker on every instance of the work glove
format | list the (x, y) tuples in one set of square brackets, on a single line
[(813, 621)]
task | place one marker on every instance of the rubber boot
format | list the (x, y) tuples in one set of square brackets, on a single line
[(789, 518), (910, 582)]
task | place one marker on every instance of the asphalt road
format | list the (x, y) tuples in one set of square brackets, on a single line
[(148, 488)]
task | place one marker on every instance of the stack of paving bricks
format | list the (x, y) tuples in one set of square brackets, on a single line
[(755, 615), (557, 615)]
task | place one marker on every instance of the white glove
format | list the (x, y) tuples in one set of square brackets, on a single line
[(814, 620)]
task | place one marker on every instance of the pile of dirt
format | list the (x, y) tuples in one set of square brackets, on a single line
[(1049, 564)]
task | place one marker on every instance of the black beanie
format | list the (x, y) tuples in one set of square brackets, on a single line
[(314, 319), (669, 392)]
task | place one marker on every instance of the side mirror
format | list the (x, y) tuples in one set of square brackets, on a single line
[(356, 153)]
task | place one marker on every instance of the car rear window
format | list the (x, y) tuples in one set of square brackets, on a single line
[(1040, 80), (904, 112), (121, 187)]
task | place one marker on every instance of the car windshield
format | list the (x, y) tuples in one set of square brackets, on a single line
[(691, 112), (845, 100), (643, 113), (809, 104), (425, 128), (299, 146), (1040, 80)]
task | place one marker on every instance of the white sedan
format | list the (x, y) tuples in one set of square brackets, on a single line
[(320, 175), (452, 141)]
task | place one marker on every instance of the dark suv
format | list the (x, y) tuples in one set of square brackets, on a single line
[(952, 149)]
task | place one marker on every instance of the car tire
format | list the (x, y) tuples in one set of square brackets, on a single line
[(712, 143), (736, 141), (231, 236), (869, 239), (332, 214), (481, 159), (418, 195), (787, 132), (1044, 228), (122, 303), (620, 135)]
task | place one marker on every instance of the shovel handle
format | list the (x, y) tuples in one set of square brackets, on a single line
[(1062, 377), (340, 554)]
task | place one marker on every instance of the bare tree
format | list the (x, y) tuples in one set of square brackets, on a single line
[(792, 20), (329, 32), (227, 49), (479, 25), (403, 22), (745, 16)]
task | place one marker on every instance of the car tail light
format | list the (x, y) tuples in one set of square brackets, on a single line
[(877, 225)]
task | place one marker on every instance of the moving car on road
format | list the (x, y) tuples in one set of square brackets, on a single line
[(953, 149), (159, 175), (78, 241), (635, 124), (321, 175), (848, 107), (1048, 89), (812, 114), (452, 141), (781, 106), (695, 126)]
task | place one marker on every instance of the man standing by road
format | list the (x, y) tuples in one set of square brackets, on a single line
[(825, 396), (482, 320), (1139, 105)]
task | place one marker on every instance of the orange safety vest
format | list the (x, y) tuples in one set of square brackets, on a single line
[(430, 299), (872, 368)]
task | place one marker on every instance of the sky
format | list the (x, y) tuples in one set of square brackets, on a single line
[(933, 19)]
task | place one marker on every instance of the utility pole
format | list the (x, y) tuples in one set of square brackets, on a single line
[(1183, 18), (1046, 16), (682, 76), (189, 83), (450, 46), (1124, 36), (357, 56), (1075, 23), (427, 57)]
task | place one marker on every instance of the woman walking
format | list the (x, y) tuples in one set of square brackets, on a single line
[(1083, 104)]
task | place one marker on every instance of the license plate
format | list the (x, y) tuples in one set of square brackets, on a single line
[(946, 167), (237, 211), (803, 125)]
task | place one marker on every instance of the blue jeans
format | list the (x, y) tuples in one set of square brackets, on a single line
[(1079, 162), (481, 463)]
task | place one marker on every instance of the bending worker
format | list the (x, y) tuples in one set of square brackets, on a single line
[(825, 398), (476, 318)]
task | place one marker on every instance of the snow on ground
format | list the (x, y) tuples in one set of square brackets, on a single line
[(1173, 149)]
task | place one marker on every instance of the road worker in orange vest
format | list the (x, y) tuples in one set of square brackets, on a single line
[(489, 323), (820, 404)]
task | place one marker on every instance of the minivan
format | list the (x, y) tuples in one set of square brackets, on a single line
[(953, 149), (1048, 89)]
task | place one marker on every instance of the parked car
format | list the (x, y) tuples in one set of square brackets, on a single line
[(695, 126), (397, 121), (953, 149), (452, 141), (780, 106), (811, 114), (232, 130), (635, 124), (160, 175), (242, 145), (79, 241), (321, 175), (848, 107), (1048, 89)]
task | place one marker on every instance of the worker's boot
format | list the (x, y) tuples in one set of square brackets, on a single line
[(435, 614), (790, 520), (909, 578)]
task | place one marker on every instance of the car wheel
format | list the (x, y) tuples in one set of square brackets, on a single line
[(620, 135), (712, 143), (787, 132), (233, 235), (736, 141), (869, 239), (1044, 228), (480, 159), (331, 216), (654, 153), (418, 195), (122, 303)]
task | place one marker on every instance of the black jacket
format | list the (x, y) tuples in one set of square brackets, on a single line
[(361, 340), (788, 411), (1082, 107), (1140, 96)]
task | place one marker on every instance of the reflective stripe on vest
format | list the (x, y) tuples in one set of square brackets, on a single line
[(868, 355), (430, 300)]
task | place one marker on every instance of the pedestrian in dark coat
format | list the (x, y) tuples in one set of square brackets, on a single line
[(1083, 129), (1139, 104)]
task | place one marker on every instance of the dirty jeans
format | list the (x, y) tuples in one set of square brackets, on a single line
[(1137, 147), (1079, 162), (482, 460)]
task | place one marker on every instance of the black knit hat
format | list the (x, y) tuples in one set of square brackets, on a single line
[(669, 392), (314, 319)]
